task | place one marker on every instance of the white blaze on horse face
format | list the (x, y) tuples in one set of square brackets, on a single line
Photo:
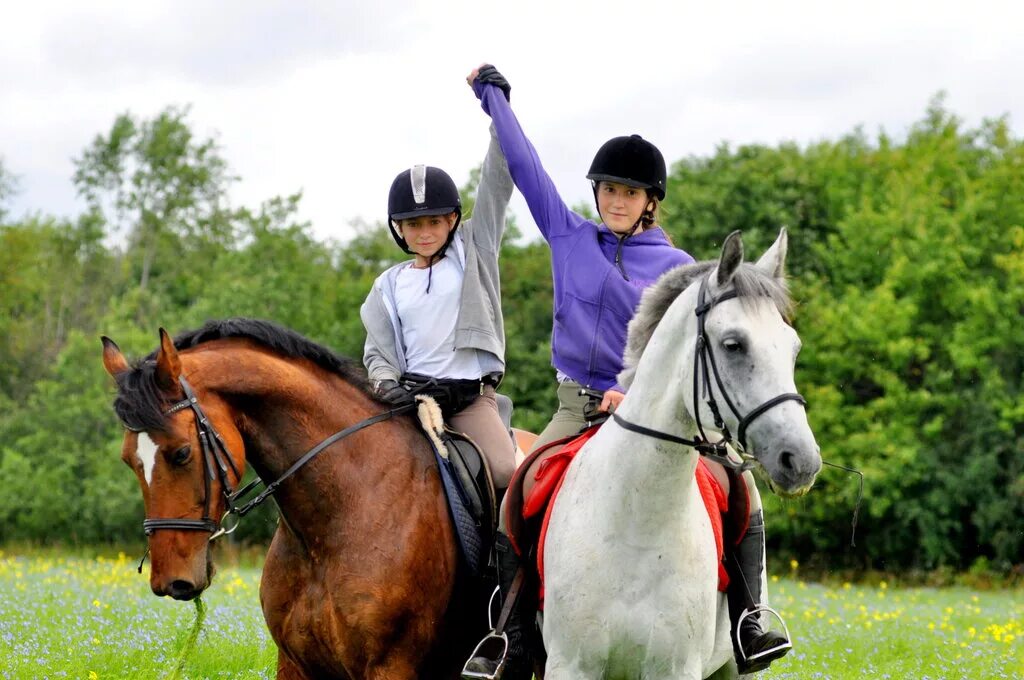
[(145, 449)]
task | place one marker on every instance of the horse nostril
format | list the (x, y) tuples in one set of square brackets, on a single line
[(786, 459), (182, 590)]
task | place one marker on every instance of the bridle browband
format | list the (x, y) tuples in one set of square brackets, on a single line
[(217, 462), (703, 358)]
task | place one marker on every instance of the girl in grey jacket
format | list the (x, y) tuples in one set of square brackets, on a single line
[(438, 316)]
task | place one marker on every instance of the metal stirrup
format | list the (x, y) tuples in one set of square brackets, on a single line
[(747, 613), (484, 649), (496, 639)]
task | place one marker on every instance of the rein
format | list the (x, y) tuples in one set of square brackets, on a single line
[(716, 451), (217, 461), (704, 358)]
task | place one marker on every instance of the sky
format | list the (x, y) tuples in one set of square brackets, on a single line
[(334, 99)]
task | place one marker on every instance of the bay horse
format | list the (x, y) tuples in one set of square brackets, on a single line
[(363, 576), (631, 569)]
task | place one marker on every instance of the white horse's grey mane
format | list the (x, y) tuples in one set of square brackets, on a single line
[(749, 280)]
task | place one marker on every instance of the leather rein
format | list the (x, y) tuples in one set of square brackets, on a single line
[(704, 367), (217, 463)]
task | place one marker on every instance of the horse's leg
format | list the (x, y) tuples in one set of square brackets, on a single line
[(398, 667), (560, 670), (286, 670), (727, 672)]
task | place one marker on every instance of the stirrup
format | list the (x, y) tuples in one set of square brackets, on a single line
[(747, 613), (493, 647)]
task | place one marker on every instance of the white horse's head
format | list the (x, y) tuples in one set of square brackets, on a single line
[(747, 368)]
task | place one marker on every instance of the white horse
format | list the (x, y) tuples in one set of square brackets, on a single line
[(631, 570)]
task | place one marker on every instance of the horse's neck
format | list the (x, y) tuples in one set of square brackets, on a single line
[(292, 407), (661, 473)]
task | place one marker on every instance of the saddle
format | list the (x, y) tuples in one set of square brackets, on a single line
[(468, 485), (527, 517)]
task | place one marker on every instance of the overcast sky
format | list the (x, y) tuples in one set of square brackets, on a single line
[(335, 98)]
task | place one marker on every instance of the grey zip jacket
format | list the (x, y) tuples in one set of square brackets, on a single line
[(475, 249)]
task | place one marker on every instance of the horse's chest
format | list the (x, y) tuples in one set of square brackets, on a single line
[(632, 578)]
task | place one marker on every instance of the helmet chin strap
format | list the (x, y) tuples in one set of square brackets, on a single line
[(441, 252), (646, 218)]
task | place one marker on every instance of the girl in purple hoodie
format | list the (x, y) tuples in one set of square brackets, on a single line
[(599, 272)]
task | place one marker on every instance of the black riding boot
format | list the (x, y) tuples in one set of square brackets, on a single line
[(516, 664), (755, 648)]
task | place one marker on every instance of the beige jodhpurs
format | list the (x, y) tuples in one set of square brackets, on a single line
[(481, 423)]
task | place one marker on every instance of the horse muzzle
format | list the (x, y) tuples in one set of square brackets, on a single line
[(791, 470), (182, 577)]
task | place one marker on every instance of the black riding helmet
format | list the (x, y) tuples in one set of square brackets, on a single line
[(635, 162), (632, 161), (422, 191)]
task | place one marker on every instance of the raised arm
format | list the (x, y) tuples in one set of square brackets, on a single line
[(549, 211), (493, 194)]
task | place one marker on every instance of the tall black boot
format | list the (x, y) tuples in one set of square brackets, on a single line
[(755, 648), (487, 662)]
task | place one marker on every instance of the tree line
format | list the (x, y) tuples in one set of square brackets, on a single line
[(906, 262)]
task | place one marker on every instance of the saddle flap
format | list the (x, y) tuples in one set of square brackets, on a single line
[(520, 535), (474, 477), (467, 482)]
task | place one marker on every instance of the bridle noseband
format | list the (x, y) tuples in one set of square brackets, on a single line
[(217, 461), (703, 360)]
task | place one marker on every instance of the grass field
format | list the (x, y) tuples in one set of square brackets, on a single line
[(94, 618)]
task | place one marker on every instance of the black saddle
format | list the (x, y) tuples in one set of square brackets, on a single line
[(472, 499)]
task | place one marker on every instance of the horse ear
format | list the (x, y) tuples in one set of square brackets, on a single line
[(774, 259), (113, 359), (732, 257), (168, 365)]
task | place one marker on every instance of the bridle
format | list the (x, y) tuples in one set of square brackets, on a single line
[(703, 359), (217, 462)]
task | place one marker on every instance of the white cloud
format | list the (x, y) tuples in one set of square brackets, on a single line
[(336, 98)]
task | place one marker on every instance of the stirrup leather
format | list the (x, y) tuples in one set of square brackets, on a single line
[(493, 647), (747, 613)]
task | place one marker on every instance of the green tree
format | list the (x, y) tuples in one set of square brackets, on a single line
[(912, 363), (50, 273), (155, 181)]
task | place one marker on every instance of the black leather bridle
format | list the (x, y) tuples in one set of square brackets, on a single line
[(217, 463), (703, 358)]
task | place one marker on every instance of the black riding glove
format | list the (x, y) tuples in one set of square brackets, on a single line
[(489, 74), (393, 393)]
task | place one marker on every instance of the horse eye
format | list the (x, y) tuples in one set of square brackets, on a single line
[(732, 345), (181, 456)]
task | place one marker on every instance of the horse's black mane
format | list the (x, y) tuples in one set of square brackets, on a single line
[(140, 404)]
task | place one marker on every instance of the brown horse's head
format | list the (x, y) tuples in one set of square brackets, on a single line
[(162, 446)]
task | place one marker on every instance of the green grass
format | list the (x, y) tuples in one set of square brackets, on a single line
[(73, 617), (94, 618), (880, 631)]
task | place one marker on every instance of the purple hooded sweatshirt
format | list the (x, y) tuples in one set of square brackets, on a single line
[(594, 302)]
